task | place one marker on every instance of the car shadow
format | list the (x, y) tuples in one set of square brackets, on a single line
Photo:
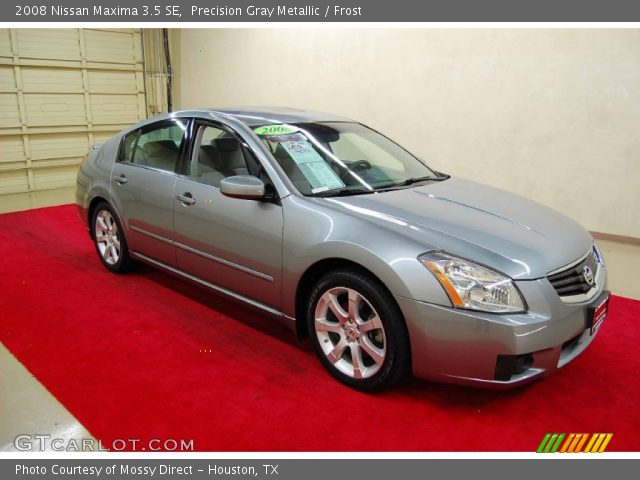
[(250, 316), (428, 391)]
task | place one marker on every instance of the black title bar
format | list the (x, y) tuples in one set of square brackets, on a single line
[(320, 11)]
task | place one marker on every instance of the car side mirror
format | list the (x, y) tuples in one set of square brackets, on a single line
[(246, 187)]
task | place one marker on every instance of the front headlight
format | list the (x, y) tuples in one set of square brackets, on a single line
[(472, 286), (598, 255)]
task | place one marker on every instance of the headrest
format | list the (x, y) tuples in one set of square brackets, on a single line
[(230, 144), (160, 147), (209, 156)]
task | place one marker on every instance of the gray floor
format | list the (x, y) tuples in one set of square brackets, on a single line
[(27, 408)]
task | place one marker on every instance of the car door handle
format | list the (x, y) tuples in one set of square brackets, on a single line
[(186, 198), (120, 179)]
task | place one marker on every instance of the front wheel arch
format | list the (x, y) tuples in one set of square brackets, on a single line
[(309, 279), (395, 336)]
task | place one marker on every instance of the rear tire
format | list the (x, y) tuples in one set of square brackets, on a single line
[(358, 331), (109, 239)]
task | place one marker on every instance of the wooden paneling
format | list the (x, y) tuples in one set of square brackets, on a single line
[(61, 91)]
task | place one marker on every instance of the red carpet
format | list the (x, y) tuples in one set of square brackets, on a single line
[(123, 354)]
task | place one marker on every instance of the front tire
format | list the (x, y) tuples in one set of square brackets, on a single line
[(109, 240), (358, 331)]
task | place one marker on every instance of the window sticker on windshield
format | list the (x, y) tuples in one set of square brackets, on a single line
[(302, 151), (319, 175), (312, 165), (276, 130)]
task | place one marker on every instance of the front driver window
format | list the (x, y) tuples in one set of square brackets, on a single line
[(220, 154)]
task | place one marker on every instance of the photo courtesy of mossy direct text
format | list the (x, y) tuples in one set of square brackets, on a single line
[(99, 470), (126, 469)]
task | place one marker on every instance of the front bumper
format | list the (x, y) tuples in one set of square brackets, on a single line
[(466, 347)]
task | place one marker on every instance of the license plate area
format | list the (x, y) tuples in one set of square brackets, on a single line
[(597, 313)]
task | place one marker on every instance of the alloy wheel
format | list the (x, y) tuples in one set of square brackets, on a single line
[(107, 237), (350, 332)]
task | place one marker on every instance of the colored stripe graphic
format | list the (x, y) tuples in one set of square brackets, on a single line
[(557, 444), (596, 446), (550, 443), (606, 442), (591, 442), (581, 442), (574, 443), (600, 443), (543, 443), (567, 442)]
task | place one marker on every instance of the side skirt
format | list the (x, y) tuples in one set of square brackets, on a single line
[(288, 321)]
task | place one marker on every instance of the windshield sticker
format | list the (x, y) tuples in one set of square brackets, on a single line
[(312, 165), (320, 175), (302, 151), (276, 130)]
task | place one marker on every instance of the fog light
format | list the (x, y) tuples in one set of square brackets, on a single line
[(509, 365), (523, 363)]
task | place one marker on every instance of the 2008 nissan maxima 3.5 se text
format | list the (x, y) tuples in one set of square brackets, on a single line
[(388, 266)]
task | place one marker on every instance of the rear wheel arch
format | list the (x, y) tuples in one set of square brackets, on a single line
[(109, 239), (97, 200)]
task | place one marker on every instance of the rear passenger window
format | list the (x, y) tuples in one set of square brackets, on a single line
[(128, 146), (157, 147)]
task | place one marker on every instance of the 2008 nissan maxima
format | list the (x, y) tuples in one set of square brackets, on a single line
[(388, 266)]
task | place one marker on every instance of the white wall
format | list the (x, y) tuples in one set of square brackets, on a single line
[(552, 114)]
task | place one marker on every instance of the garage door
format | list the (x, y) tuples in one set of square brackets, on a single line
[(61, 91)]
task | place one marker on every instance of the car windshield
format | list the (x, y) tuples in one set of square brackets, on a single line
[(342, 158)]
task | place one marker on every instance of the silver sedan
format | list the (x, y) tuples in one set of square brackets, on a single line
[(386, 265)]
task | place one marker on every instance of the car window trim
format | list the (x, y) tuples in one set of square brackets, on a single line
[(149, 128), (199, 124), (123, 138), (148, 167)]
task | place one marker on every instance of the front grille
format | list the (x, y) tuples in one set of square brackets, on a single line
[(572, 280)]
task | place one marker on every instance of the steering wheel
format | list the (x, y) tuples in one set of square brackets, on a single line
[(357, 165)]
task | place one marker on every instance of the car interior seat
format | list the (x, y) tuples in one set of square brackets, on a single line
[(208, 164), (232, 161), (208, 159), (161, 154)]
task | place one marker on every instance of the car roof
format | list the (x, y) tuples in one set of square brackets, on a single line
[(254, 116)]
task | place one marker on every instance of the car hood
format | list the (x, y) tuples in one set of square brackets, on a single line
[(509, 233)]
